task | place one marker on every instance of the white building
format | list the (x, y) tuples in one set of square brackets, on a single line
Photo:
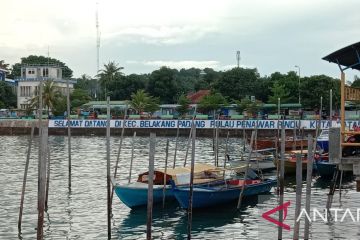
[(32, 75)]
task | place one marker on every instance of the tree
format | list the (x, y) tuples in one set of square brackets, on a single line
[(50, 96), (122, 87), (142, 101), (163, 84), (59, 106), (238, 83), (79, 97), (184, 103), (212, 102), (314, 87), (110, 72), (278, 91), (87, 84), (7, 96), (34, 60), (4, 65), (290, 84)]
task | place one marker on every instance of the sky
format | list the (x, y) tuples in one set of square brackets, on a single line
[(143, 35)]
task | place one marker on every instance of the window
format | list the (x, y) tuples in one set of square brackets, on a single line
[(45, 72), (31, 71), (57, 73)]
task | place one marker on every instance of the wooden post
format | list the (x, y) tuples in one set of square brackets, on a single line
[(25, 177), (108, 168), (342, 107), (150, 185), (277, 149), (308, 183), (69, 129), (166, 162), (298, 194), (330, 113), (246, 170), (47, 179), (191, 180), (217, 143), (244, 144), (42, 182), (226, 151), (132, 156), (187, 147), (281, 180), (214, 134), (176, 143), (119, 151)]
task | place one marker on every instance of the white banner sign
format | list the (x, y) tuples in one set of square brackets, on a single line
[(205, 124)]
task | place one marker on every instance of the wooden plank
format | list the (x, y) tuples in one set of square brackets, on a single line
[(150, 185), (350, 144), (352, 93)]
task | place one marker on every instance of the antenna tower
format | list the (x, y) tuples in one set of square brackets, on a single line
[(238, 58)]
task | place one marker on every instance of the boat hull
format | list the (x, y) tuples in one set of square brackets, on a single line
[(325, 169), (323, 144), (206, 197), (137, 196), (289, 144)]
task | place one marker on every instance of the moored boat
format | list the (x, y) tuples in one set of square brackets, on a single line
[(290, 161), (325, 169), (290, 143), (135, 194), (323, 140), (215, 195)]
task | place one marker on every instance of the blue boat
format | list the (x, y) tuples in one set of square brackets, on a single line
[(135, 194), (325, 169), (210, 196), (323, 140)]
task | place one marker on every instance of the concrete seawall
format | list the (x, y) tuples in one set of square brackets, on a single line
[(23, 127)]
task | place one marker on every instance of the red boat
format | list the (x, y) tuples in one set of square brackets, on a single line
[(290, 143)]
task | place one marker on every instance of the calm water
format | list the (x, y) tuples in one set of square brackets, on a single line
[(81, 213)]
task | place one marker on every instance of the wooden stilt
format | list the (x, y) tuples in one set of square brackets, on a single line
[(226, 151), (191, 180), (281, 180), (119, 151), (166, 163), (246, 170), (217, 143), (108, 169), (69, 130), (42, 182), (298, 194), (47, 179), (25, 177), (132, 155), (150, 185), (187, 147), (176, 143), (308, 183)]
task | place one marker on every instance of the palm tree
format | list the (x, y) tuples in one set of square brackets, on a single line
[(110, 71), (50, 96), (139, 101)]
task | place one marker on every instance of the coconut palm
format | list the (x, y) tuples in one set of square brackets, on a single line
[(50, 96), (139, 101), (110, 71)]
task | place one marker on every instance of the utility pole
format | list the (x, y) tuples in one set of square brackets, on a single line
[(238, 58)]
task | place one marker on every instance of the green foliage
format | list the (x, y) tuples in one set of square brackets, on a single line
[(212, 102), (59, 106), (238, 83), (290, 83), (110, 73), (33, 59), (142, 101), (79, 97), (7, 95), (312, 88), (123, 86), (50, 96), (163, 84), (4, 65), (247, 105), (184, 103), (278, 91)]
